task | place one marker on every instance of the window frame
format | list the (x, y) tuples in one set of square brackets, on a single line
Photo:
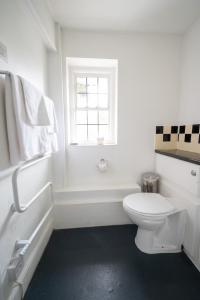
[(111, 74)]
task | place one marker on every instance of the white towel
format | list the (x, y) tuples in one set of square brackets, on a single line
[(13, 142), (25, 141), (53, 128), (35, 105)]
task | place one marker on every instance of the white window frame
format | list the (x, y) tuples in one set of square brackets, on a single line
[(111, 74)]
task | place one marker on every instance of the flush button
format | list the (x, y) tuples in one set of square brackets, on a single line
[(193, 173)]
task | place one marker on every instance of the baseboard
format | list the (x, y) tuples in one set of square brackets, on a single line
[(195, 263), (34, 257), (89, 214)]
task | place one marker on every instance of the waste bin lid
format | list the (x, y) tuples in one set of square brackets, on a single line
[(150, 176)]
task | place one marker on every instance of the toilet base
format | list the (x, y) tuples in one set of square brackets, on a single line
[(146, 242)]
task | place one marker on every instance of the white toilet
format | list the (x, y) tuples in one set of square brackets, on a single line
[(167, 223), (160, 222)]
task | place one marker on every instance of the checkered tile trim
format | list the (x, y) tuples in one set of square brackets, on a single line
[(183, 132)]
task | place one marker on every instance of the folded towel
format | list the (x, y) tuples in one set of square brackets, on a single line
[(35, 105), (25, 140)]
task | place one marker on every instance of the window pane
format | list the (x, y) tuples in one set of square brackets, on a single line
[(103, 85), (81, 84), (103, 101), (92, 84), (81, 133), (103, 117), (92, 133), (81, 100), (92, 117), (92, 100), (104, 131), (81, 117)]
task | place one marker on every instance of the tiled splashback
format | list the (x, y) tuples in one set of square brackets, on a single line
[(184, 137)]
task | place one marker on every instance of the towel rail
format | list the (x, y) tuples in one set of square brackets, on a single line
[(17, 207), (23, 245), (4, 72)]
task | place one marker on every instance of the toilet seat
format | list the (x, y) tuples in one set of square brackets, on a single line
[(148, 204)]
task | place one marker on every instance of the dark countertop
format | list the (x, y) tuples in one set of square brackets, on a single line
[(182, 155)]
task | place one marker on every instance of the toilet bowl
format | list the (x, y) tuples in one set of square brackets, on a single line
[(160, 222)]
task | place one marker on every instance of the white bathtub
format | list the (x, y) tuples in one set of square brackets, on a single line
[(86, 207)]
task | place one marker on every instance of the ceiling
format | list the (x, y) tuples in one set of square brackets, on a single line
[(168, 16)]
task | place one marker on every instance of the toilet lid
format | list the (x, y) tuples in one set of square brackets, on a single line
[(148, 203)]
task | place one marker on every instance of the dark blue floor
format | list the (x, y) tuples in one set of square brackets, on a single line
[(103, 263)]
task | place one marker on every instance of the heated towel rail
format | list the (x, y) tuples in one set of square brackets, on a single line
[(4, 72), (17, 207)]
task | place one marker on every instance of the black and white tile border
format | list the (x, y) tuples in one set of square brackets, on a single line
[(183, 132)]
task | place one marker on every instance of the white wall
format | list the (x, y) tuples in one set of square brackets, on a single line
[(27, 57), (190, 76), (148, 95)]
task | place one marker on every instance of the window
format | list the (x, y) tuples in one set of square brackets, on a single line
[(92, 105)]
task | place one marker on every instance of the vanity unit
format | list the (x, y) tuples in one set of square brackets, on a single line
[(180, 179)]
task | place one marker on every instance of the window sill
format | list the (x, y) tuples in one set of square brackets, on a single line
[(89, 145)]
